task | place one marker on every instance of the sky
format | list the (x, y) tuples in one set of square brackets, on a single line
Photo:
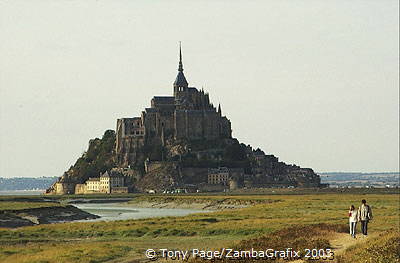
[(314, 82)]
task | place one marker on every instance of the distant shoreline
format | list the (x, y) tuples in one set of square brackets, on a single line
[(21, 192)]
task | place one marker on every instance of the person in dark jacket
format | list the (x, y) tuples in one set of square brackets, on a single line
[(364, 216)]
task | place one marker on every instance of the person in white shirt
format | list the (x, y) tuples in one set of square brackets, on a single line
[(353, 217)]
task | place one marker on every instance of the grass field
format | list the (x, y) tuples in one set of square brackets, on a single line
[(125, 241)]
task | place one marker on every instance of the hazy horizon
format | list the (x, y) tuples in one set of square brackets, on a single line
[(312, 82)]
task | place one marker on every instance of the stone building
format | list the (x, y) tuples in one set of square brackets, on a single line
[(112, 182), (224, 175), (63, 188), (80, 189), (107, 183), (92, 185), (218, 176), (188, 114)]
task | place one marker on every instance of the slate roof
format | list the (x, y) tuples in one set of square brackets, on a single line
[(180, 80)]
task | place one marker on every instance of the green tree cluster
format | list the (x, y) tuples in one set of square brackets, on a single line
[(99, 158)]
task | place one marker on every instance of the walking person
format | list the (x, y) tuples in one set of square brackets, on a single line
[(364, 215), (353, 217)]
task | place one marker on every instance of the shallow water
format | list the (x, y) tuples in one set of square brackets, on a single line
[(118, 211)]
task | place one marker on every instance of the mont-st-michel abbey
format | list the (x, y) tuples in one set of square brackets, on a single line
[(188, 114), (181, 143)]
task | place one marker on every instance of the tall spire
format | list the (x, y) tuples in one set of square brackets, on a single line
[(180, 58), (180, 80)]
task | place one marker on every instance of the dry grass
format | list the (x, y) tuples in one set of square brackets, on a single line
[(382, 249), (79, 252), (297, 237)]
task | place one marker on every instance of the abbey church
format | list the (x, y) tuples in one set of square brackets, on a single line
[(188, 114)]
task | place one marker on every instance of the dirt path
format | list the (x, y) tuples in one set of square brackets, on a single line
[(341, 241)]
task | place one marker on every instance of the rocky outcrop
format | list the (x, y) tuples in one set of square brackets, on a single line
[(42, 215), (180, 162), (186, 162), (159, 176), (99, 158)]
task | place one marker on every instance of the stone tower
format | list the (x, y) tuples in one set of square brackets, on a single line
[(188, 114)]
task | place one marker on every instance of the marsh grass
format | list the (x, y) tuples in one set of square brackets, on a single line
[(57, 252), (384, 248), (57, 242), (297, 237)]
